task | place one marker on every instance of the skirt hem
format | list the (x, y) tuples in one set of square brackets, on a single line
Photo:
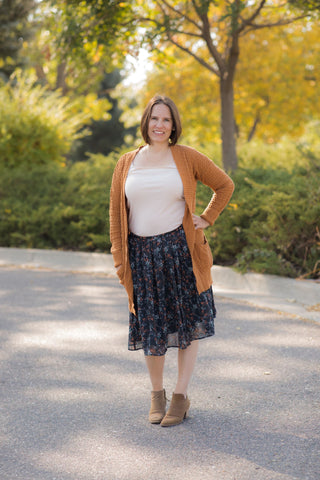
[(139, 346)]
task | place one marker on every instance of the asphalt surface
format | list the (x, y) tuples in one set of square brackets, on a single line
[(297, 297), (74, 402)]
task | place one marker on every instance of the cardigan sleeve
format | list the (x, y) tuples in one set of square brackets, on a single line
[(115, 214), (214, 177)]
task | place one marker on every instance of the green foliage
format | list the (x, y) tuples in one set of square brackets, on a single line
[(306, 5), (272, 224), (104, 136), (15, 28), (50, 206), (88, 28), (36, 126), (76, 42)]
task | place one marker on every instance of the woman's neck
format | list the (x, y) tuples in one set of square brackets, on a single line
[(154, 155), (158, 149)]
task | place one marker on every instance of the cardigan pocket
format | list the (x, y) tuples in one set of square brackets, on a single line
[(202, 251), (120, 273)]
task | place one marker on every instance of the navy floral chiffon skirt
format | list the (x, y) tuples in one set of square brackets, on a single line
[(169, 310)]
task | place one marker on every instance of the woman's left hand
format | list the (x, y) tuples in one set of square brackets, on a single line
[(199, 222)]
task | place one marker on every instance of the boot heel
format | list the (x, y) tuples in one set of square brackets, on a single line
[(178, 410)]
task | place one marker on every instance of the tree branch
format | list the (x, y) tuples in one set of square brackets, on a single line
[(198, 10), (280, 23), (196, 57), (206, 33), (177, 11), (184, 49), (248, 21), (190, 34), (162, 25)]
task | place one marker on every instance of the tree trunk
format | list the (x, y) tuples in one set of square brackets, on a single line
[(41, 76), (228, 132), (61, 78)]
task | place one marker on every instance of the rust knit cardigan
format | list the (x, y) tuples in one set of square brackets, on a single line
[(192, 167)]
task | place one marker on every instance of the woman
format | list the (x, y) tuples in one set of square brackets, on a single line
[(160, 252)]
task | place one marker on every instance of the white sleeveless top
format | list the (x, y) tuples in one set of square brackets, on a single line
[(155, 199)]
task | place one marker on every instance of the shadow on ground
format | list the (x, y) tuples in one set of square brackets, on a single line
[(74, 401)]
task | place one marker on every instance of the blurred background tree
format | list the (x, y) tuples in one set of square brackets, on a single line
[(307, 5), (275, 95), (77, 42), (105, 136), (16, 26), (77, 49), (210, 32)]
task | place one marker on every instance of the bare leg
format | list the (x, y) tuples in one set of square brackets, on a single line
[(186, 362), (155, 366)]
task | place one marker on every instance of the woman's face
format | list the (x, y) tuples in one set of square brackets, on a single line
[(160, 124)]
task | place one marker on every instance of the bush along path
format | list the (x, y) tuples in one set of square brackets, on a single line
[(270, 226)]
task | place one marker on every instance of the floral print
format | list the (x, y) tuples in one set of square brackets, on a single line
[(169, 310)]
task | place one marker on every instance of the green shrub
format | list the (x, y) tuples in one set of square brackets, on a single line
[(271, 224), (36, 126), (51, 206)]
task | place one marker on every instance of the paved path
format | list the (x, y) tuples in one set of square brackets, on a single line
[(297, 297), (74, 401)]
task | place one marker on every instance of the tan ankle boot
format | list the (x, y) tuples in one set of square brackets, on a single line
[(178, 410), (158, 406)]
